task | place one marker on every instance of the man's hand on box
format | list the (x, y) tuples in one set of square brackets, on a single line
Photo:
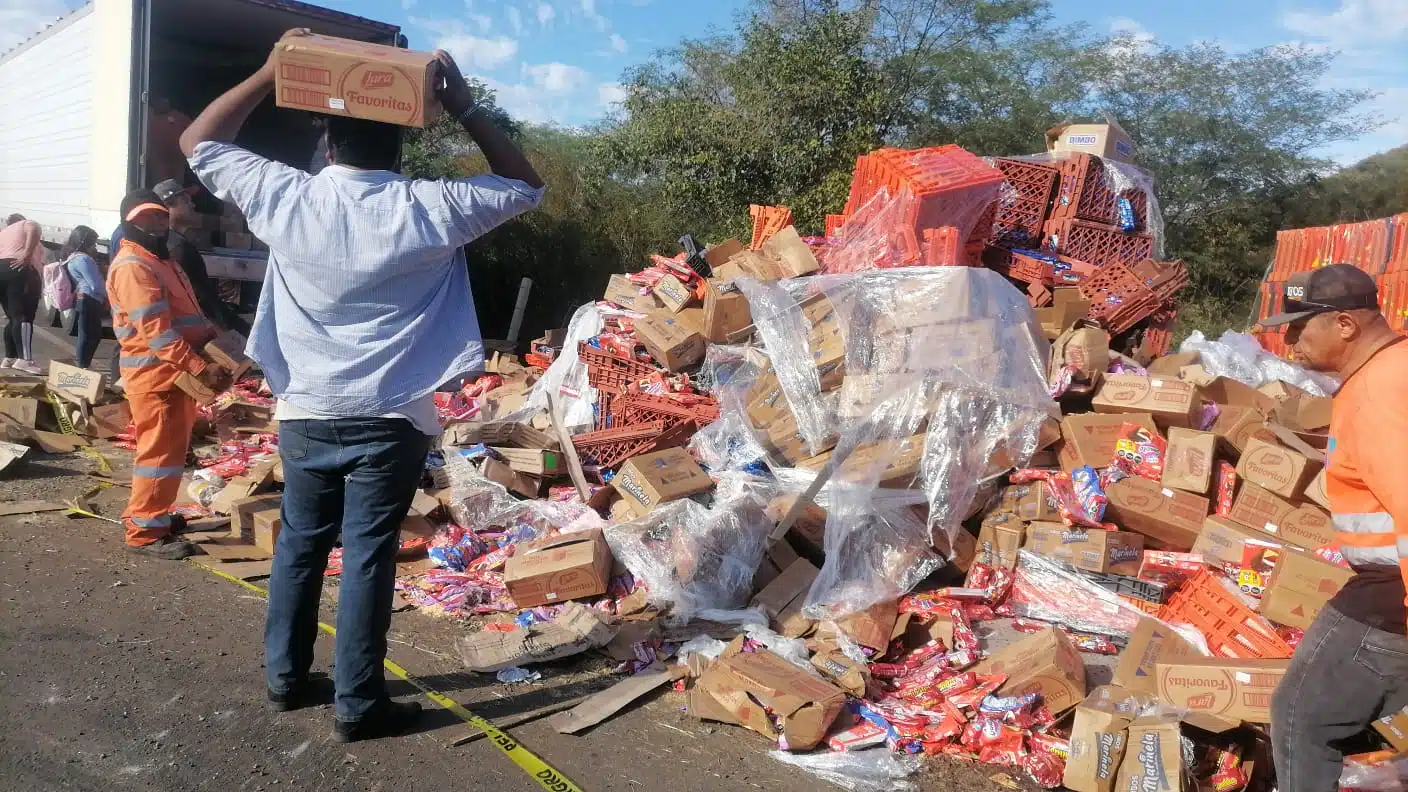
[(455, 95), (216, 378)]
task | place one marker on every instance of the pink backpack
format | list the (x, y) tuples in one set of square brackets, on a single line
[(58, 286)]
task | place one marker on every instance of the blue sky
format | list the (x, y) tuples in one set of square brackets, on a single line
[(561, 60)]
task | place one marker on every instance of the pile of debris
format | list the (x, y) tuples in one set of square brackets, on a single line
[(58, 414)]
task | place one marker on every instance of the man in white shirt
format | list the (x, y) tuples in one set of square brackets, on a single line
[(365, 311)]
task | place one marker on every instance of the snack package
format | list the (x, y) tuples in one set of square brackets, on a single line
[(1225, 488), (1140, 452)]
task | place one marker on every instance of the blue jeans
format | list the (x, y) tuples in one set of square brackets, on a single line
[(356, 476), (88, 325)]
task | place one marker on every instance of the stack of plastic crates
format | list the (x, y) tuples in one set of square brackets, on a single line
[(1231, 628)]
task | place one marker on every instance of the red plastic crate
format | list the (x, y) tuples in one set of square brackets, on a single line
[(611, 447), (1164, 278), (1231, 628), (1097, 244), (768, 220), (1119, 299), (941, 248), (1084, 194), (1024, 202), (608, 372), (833, 224), (1158, 336)]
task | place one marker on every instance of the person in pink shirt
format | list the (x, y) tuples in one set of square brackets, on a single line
[(21, 283)]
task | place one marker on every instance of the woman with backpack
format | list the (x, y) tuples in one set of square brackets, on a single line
[(88, 291)]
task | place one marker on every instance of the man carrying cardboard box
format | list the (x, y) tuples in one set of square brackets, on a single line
[(159, 327), (366, 311), (1352, 665)]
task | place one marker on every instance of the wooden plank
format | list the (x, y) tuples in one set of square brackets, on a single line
[(29, 507), (228, 549), (244, 570), (574, 462)]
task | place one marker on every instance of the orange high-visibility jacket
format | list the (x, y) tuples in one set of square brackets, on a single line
[(1367, 477), (156, 319)]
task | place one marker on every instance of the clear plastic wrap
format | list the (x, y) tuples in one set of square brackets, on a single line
[(730, 443), (882, 234), (944, 386), (1387, 775), (693, 557), (875, 770), (566, 378), (1239, 356), (480, 505), (1050, 591)]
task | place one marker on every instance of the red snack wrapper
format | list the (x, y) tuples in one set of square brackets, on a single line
[(1291, 635), (960, 683), (1140, 452), (979, 576), (1004, 747), (974, 697), (1028, 475), (889, 670), (964, 639), (1225, 489), (974, 611), (1093, 644), (862, 735), (1332, 554), (1041, 742), (926, 602), (1045, 767)]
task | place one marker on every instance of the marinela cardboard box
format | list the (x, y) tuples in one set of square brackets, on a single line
[(1113, 552), (652, 479), (1153, 755), (335, 76), (1098, 734)]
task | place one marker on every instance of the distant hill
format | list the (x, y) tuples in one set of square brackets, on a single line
[(1374, 187)]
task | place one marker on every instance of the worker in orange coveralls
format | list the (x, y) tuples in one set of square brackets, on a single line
[(159, 326)]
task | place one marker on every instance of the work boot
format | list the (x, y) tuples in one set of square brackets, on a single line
[(311, 692), (386, 718), (165, 548)]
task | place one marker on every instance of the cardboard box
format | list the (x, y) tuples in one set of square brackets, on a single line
[(109, 420), (76, 382), (1235, 427), (1045, 662), (1307, 414), (1282, 392), (1222, 540), (873, 627), (787, 249), (1172, 402), (717, 255), (1150, 642), (564, 567), (1233, 393), (25, 412), (1087, 350), (1067, 307), (1098, 735), (789, 588), (1107, 140), (267, 524), (1172, 365), (1089, 439), (1153, 756), (227, 351), (1394, 728), (726, 311), (650, 480), (243, 511), (1233, 689), (845, 673), (672, 294), (999, 540), (575, 630), (334, 76), (672, 343), (1172, 519), (512, 480), (1315, 491), (805, 705), (1034, 502), (533, 461), (1189, 460), (1113, 552), (195, 389), (1305, 526), (1275, 468), (1300, 586), (626, 294)]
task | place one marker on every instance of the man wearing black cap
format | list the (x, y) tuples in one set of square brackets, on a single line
[(184, 252), (1352, 665)]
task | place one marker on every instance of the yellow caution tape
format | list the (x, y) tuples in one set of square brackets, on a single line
[(543, 773), (66, 427)]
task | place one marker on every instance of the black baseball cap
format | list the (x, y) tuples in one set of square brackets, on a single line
[(169, 189), (1338, 287)]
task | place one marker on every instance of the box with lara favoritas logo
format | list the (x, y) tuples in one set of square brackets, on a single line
[(336, 76), (1232, 689)]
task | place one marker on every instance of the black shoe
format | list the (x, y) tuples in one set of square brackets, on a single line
[(386, 718), (166, 548), (178, 524), (312, 692)]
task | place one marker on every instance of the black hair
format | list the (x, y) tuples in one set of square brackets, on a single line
[(14, 218), (358, 143), (80, 240)]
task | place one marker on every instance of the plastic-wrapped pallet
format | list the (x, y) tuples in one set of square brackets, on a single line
[(943, 387), (566, 378)]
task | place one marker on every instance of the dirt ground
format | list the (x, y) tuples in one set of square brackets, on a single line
[(118, 672)]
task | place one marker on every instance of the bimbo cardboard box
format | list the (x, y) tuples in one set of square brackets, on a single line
[(1045, 662), (1170, 518), (565, 567), (1188, 461), (1150, 642), (652, 479), (1153, 756), (1234, 689), (1172, 402), (1394, 728), (1107, 140), (335, 76), (1277, 469)]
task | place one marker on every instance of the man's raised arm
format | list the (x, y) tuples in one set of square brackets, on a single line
[(504, 158), (222, 119)]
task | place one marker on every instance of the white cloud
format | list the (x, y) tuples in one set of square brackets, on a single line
[(617, 43), (515, 19), (590, 12), (407, 5), (471, 52), (482, 21), (523, 102), (1353, 22), (20, 19), (545, 14), (1133, 37), (557, 78), (611, 93)]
